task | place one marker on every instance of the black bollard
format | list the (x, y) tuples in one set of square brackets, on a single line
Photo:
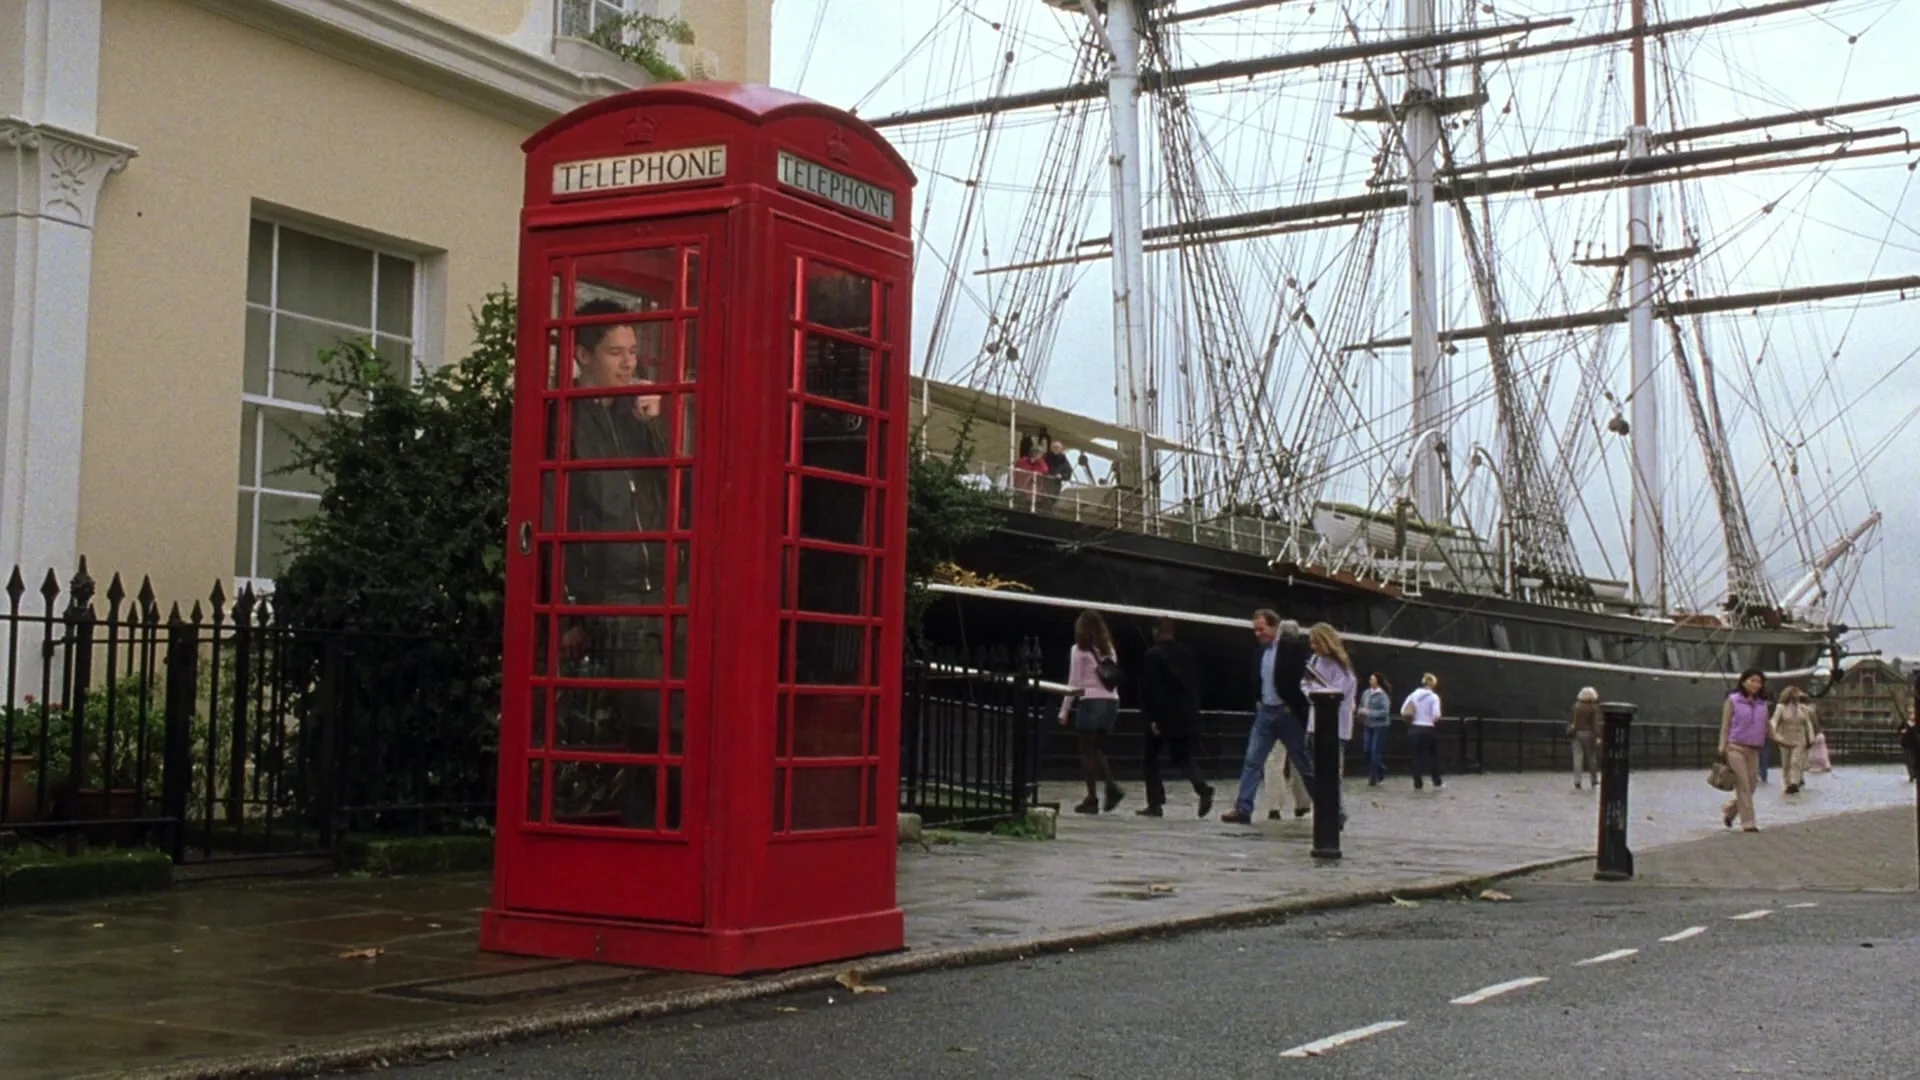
[(1615, 861), (1326, 773)]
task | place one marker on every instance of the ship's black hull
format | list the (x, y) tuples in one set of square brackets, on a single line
[(1495, 657)]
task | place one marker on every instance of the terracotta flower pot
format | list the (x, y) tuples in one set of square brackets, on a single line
[(19, 790), (117, 804)]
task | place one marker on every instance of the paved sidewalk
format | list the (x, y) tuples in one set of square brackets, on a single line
[(1102, 871), (266, 974), (1864, 851)]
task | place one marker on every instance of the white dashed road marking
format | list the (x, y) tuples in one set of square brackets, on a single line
[(1334, 1042), (1487, 992)]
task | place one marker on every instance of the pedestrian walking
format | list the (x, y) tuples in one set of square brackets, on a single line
[(1422, 710), (1584, 729), (1792, 727), (1376, 704), (1092, 707), (1170, 698), (1279, 711), (1280, 783), (1909, 738), (1329, 668), (1743, 733)]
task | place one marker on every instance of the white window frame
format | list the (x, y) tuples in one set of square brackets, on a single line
[(660, 9), (425, 283), (597, 10)]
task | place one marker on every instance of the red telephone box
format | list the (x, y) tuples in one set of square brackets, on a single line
[(699, 746)]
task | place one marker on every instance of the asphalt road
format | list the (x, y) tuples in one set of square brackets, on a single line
[(1828, 990)]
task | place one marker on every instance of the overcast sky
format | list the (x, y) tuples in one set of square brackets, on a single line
[(1770, 229)]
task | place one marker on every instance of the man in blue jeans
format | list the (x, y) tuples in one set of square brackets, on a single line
[(1279, 713)]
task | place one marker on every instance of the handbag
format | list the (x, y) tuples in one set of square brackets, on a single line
[(1108, 672), (1818, 760), (1720, 776)]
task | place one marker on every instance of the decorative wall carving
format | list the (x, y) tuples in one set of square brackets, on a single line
[(55, 173)]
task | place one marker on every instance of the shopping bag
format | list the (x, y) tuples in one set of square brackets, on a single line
[(1818, 760), (1720, 776)]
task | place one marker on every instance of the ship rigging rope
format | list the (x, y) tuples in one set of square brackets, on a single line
[(950, 284), (1025, 305), (1205, 290), (1579, 414), (1826, 380), (1745, 577), (1890, 438), (1537, 526), (932, 355), (1682, 518), (1799, 436), (906, 56), (813, 38), (1235, 392)]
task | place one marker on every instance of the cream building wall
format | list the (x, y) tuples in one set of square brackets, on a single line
[(738, 32), (501, 18), (237, 116), (231, 121)]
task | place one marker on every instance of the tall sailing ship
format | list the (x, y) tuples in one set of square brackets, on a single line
[(1439, 323)]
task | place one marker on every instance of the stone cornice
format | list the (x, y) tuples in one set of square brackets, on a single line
[(57, 174), (428, 52)]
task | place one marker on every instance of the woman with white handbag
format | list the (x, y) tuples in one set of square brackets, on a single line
[(1793, 727)]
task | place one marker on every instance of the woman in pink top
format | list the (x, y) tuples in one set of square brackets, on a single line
[(1029, 469), (1743, 734), (1092, 707)]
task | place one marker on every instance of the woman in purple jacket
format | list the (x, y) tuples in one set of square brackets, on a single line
[(1743, 734)]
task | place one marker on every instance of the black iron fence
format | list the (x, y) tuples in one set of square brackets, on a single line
[(1508, 745), (1468, 745), (971, 729), (225, 733)]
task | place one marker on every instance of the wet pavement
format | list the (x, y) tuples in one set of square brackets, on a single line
[(1111, 870), (223, 971), (1863, 851)]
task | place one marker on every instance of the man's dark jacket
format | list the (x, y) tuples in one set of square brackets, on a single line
[(1170, 689), (615, 500), (1289, 667)]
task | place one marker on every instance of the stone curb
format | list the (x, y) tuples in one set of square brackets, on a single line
[(414, 1047)]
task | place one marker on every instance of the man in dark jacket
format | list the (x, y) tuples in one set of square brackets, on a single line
[(1280, 709), (1290, 657), (624, 498), (1170, 698), (627, 500)]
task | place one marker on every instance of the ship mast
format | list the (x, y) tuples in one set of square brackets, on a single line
[(1134, 403), (1430, 389), (1649, 571)]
